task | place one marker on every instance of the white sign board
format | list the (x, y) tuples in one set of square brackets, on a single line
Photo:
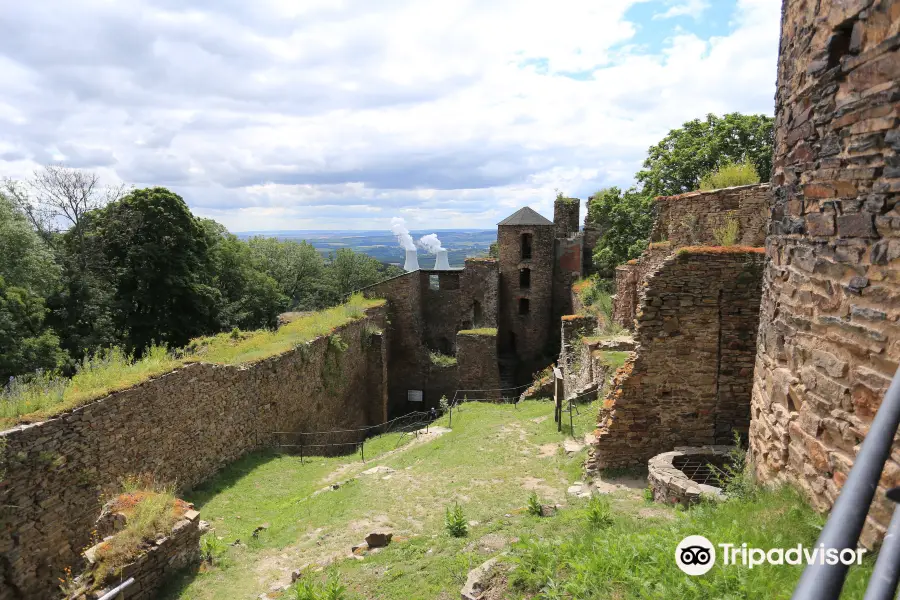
[(414, 395)]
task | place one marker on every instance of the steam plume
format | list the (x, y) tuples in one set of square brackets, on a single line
[(430, 243), (398, 228)]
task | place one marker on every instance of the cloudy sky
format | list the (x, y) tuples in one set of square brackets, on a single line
[(340, 114)]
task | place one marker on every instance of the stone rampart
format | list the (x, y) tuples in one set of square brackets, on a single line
[(182, 426), (688, 382), (830, 342), (631, 279), (692, 219)]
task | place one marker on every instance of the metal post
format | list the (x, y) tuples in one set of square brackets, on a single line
[(824, 582), (301, 452), (571, 423), (883, 582), (362, 450)]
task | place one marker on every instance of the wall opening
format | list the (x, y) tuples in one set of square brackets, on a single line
[(434, 282), (476, 313), (526, 246), (524, 306), (839, 43), (524, 278)]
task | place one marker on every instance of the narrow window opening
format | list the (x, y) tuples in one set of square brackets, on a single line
[(476, 313), (525, 278), (524, 306), (839, 43), (434, 282), (526, 246)]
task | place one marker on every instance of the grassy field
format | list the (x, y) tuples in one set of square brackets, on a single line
[(114, 370), (495, 457)]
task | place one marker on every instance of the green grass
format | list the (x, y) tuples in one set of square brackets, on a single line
[(494, 460), (442, 360), (730, 175), (480, 331), (614, 358), (114, 370)]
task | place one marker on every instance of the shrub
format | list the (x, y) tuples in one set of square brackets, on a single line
[(439, 359), (212, 549), (599, 512), (309, 589), (534, 505), (151, 510), (727, 235), (729, 175), (455, 521), (735, 478)]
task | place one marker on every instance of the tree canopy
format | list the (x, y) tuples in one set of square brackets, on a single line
[(625, 219), (677, 163)]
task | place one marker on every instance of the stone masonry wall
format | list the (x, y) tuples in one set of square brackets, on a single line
[(631, 279), (183, 426), (691, 219), (688, 382), (528, 336), (478, 367), (567, 270), (566, 212), (829, 341)]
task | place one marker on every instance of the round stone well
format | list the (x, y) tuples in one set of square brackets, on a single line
[(686, 473)]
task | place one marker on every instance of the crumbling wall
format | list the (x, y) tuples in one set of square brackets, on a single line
[(688, 382), (829, 341), (567, 270), (480, 285), (183, 426), (631, 279), (566, 212), (692, 219)]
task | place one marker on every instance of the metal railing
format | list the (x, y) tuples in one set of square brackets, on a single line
[(848, 516)]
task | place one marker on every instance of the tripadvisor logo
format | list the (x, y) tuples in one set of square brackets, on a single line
[(696, 555)]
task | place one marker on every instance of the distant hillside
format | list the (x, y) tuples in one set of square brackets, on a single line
[(383, 246)]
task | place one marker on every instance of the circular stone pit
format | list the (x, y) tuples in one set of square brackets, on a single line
[(684, 475)]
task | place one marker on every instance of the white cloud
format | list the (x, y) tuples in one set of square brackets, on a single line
[(684, 8), (280, 114)]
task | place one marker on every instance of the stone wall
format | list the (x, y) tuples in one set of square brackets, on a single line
[(424, 319), (567, 271), (688, 382), (478, 366), (527, 336), (692, 219), (183, 426), (566, 213), (830, 340), (168, 555), (631, 281)]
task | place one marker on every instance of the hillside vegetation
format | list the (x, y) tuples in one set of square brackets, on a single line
[(498, 464)]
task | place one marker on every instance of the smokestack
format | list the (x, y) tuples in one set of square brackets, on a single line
[(412, 261), (440, 261)]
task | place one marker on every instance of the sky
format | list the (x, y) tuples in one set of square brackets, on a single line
[(341, 114)]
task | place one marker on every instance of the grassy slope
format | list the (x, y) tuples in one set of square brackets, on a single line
[(115, 371), (489, 463)]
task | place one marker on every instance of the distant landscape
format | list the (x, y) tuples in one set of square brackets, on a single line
[(383, 246)]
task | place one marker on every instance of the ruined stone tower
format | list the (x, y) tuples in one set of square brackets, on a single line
[(566, 212), (525, 241)]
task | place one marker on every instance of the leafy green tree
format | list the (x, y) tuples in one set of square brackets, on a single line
[(677, 163), (250, 298), (26, 260), (298, 268), (157, 256), (625, 218), (494, 250), (350, 271), (25, 343)]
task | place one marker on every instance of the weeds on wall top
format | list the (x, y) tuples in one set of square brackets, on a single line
[(730, 175), (728, 234), (442, 360)]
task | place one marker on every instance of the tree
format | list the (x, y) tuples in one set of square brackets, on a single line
[(251, 299), (26, 345), (297, 267), (157, 256), (350, 271), (26, 261), (676, 164), (625, 220)]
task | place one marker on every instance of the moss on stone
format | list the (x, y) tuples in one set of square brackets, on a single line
[(481, 331)]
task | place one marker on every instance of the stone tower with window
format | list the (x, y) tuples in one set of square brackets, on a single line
[(526, 247)]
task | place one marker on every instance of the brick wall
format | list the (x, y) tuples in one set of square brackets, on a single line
[(184, 426), (830, 342), (691, 219), (689, 381)]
